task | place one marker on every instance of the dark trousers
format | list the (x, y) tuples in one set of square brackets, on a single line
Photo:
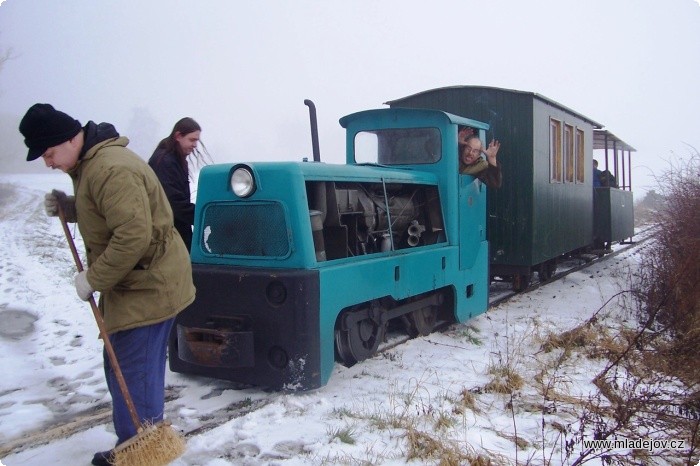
[(141, 357)]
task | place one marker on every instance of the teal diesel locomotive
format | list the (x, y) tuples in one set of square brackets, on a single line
[(301, 264)]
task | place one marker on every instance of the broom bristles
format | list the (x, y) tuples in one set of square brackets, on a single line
[(154, 445)]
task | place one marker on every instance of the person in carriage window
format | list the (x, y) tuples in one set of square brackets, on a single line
[(596, 174), (472, 163)]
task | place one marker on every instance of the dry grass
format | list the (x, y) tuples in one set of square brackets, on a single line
[(519, 442), (505, 380), (425, 447), (466, 401), (345, 435), (583, 336)]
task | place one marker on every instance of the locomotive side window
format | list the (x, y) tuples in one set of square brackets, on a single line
[(398, 146), (555, 156), (366, 147), (580, 157)]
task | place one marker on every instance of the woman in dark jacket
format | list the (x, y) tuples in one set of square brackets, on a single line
[(169, 161)]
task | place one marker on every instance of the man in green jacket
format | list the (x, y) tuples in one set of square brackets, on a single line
[(135, 257)]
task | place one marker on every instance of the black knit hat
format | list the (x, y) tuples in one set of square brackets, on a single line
[(43, 126)]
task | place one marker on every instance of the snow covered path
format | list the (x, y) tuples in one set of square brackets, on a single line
[(437, 388)]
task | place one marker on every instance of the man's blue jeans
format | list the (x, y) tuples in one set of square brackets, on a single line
[(141, 357)]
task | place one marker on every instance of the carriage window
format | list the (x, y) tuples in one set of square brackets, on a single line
[(569, 153), (580, 166), (555, 156), (398, 146)]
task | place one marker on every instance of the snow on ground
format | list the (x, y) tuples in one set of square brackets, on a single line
[(429, 389)]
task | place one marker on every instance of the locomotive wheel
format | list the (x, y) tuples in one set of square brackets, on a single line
[(420, 322), (358, 339)]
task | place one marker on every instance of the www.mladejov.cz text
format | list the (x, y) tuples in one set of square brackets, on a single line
[(634, 444)]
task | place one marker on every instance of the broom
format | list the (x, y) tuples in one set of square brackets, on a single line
[(154, 444)]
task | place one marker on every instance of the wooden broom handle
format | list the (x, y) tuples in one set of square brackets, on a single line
[(101, 325)]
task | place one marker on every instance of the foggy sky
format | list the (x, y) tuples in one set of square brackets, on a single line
[(243, 69)]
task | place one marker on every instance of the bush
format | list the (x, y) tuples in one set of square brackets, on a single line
[(670, 278), (651, 386)]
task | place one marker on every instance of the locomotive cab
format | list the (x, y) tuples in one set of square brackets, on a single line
[(298, 265)]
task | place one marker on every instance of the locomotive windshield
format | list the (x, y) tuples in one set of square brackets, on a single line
[(398, 146)]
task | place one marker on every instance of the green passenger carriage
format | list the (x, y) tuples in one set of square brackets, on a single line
[(545, 208)]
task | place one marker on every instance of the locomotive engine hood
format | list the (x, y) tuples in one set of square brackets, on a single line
[(371, 207)]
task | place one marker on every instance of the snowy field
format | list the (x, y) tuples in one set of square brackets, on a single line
[(430, 389)]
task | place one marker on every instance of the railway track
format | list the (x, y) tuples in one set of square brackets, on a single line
[(585, 262), (101, 414)]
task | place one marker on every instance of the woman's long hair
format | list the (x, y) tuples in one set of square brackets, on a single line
[(185, 126)]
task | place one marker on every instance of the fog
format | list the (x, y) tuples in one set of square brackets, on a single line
[(243, 69)]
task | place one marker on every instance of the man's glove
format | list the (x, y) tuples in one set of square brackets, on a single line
[(82, 287), (55, 198)]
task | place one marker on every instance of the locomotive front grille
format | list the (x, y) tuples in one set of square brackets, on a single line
[(250, 229)]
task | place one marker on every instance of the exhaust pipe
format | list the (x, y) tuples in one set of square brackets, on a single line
[(415, 230), (314, 130)]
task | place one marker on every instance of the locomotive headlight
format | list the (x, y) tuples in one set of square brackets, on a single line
[(242, 182)]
